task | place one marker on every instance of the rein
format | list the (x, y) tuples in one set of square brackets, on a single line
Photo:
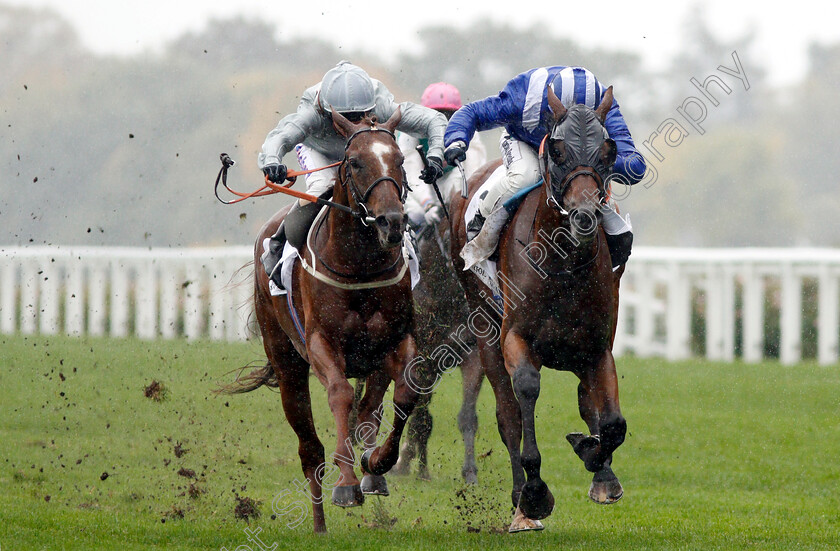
[(270, 188)]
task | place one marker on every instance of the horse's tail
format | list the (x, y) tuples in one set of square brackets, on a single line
[(254, 379)]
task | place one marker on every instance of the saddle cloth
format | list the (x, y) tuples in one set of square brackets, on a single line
[(486, 269)]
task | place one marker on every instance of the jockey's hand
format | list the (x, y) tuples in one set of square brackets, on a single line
[(433, 170), (433, 215), (457, 151), (276, 173)]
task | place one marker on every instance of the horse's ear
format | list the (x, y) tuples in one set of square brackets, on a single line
[(609, 152), (558, 110), (343, 126), (391, 124), (606, 105)]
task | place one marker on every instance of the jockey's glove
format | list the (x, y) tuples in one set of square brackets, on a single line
[(433, 170), (433, 215), (457, 151), (276, 173)]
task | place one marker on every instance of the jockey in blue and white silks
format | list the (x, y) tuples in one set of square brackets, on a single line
[(522, 109)]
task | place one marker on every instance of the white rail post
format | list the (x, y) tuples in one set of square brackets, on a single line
[(715, 309), (8, 293), (621, 322), (74, 297), (29, 283), (119, 297), (194, 322), (829, 315), (171, 280), (645, 327), (219, 299), (97, 292), (728, 314), (146, 301), (791, 316), (242, 306), (48, 299), (753, 314), (678, 313)]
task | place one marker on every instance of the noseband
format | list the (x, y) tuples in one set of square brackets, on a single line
[(358, 196)]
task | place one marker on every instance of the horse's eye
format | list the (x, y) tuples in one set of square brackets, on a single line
[(354, 162), (557, 150)]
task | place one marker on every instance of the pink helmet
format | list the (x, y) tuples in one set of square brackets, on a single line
[(441, 95)]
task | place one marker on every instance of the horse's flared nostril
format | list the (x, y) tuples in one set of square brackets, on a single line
[(583, 221)]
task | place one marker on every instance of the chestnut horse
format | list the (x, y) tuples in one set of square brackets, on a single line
[(356, 318), (560, 300)]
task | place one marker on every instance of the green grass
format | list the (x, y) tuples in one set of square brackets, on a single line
[(718, 456)]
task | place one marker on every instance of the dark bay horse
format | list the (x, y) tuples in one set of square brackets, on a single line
[(356, 318), (440, 309), (560, 299)]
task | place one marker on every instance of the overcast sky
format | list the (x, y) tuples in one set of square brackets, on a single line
[(651, 28)]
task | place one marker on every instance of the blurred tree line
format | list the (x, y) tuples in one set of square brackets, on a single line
[(124, 150)]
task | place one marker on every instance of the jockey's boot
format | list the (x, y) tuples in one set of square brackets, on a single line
[(618, 230), (274, 251), (619, 246), (475, 225), (484, 242)]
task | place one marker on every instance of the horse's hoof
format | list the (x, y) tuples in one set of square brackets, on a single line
[(536, 500), (470, 476), (348, 496), (586, 447), (400, 468), (521, 523), (605, 488), (365, 460), (374, 485)]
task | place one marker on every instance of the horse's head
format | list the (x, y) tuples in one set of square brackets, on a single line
[(371, 158), (578, 159)]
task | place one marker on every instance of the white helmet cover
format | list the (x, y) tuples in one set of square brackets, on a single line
[(347, 88)]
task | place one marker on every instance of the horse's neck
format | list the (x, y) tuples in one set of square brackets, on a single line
[(565, 252)]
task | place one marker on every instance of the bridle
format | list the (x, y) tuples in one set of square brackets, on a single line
[(350, 182), (560, 191), (364, 280)]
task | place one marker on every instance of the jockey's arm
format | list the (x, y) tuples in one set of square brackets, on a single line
[(290, 131), (629, 163), (413, 164), (423, 122), (481, 115)]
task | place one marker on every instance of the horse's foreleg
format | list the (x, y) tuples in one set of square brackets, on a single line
[(599, 408), (368, 426), (508, 417), (536, 501), (379, 460), (471, 375), (293, 378), (416, 440), (294, 390), (329, 365)]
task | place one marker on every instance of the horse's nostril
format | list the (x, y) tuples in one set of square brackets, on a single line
[(382, 221), (583, 221)]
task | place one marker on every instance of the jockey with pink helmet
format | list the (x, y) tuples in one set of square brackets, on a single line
[(422, 205)]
